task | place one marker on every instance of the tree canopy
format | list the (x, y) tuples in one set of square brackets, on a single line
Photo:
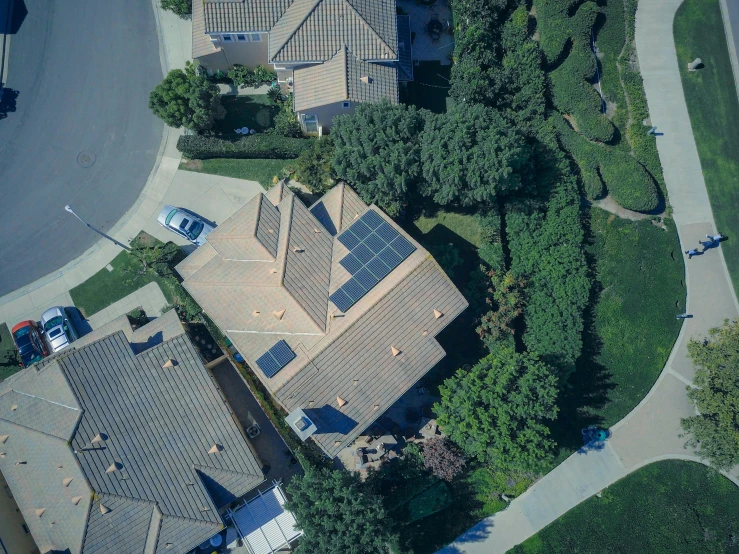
[(186, 99), (471, 155), (496, 411), (337, 514), (716, 398), (377, 151)]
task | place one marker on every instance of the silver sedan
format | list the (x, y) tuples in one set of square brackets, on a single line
[(186, 224), (57, 328)]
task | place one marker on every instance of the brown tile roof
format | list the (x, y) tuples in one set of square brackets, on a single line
[(201, 44), (344, 77), (350, 356), (252, 235), (231, 16)]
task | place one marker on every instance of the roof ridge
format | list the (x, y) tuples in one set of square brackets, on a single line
[(345, 51), (370, 27)]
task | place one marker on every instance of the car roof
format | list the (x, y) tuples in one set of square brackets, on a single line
[(52, 312)]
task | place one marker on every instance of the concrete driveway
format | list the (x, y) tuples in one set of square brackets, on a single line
[(75, 127)]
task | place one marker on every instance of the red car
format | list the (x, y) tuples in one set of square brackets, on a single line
[(30, 344)]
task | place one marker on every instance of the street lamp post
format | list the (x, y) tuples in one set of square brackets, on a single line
[(111, 239)]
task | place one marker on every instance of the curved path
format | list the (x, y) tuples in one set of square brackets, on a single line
[(78, 79), (651, 432)]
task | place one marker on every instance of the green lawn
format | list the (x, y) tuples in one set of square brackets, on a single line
[(256, 112), (670, 507), (106, 287), (630, 330), (8, 355), (430, 86), (714, 112), (262, 171)]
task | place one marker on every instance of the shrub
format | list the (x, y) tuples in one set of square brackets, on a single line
[(182, 8), (245, 77), (442, 458), (314, 166), (275, 147), (286, 123), (629, 183)]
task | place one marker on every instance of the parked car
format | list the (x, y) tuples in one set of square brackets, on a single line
[(28, 341), (58, 328), (186, 224)]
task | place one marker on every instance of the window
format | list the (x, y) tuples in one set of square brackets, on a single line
[(346, 104), (310, 122), (241, 38), (25, 529), (255, 37), (227, 38)]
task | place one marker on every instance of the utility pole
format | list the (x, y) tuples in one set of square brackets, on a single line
[(111, 239)]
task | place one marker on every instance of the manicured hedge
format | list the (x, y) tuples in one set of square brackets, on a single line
[(275, 147)]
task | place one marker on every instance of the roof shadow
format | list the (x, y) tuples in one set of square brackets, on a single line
[(12, 15), (330, 420)]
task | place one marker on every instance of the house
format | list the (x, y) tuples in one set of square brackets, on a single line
[(123, 444), (334, 307), (333, 54)]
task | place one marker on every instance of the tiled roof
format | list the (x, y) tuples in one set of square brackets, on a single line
[(140, 442), (201, 43), (344, 77), (242, 15), (235, 238), (351, 355)]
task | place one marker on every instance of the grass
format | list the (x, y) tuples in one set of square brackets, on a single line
[(711, 97), (430, 86), (256, 112), (669, 507), (8, 355), (262, 171), (638, 290)]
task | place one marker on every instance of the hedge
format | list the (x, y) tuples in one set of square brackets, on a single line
[(196, 147)]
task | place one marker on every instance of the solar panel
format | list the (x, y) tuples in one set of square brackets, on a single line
[(351, 263), (375, 249), (275, 358)]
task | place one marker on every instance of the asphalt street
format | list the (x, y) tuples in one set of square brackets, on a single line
[(75, 127)]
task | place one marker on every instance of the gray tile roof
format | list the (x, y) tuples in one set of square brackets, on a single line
[(344, 78), (242, 15), (351, 356), (157, 425)]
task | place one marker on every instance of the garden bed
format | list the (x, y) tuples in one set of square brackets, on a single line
[(255, 112)]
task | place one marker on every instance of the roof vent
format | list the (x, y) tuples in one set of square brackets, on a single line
[(278, 314), (21, 463), (115, 466), (76, 500), (2, 454), (340, 401), (14, 407), (298, 249), (170, 363), (376, 407), (104, 509), (3, 438), (316, 230), (337, 443), (40, 511), (425, 332), (256, 313), (356, 215), (394, 350), (273, 270), (270, 231), (205, 509), (366, 79), (100, 437), (437, 314), (215, 449), (66, 481), (168, 545)]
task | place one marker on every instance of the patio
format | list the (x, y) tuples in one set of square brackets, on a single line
[(439, 16)]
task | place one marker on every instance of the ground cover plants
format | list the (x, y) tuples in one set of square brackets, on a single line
[(711, 97), (670, 507)]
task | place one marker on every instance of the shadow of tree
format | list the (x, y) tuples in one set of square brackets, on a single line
[(8, 104)]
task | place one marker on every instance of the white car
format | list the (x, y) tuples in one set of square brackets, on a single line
[(184, 223), (58, 329)]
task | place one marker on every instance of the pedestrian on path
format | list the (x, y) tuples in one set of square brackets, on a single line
[(706, 244), (692, 252), (715, 238)]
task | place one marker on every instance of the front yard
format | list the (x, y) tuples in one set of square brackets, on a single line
[(261, 170)]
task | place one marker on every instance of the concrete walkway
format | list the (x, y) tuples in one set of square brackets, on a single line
[(214, 197), (651, 432)]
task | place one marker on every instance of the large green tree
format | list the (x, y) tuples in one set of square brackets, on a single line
[(377, 152), (471, 155), (497, 410), (716, 398), (337, 514), (186, 99)]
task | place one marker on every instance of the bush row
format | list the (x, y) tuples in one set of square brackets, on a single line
[(198, 147)]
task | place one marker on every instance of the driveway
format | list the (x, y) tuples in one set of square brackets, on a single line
[(74, 127)]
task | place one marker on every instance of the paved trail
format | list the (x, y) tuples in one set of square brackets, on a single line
[(651, 431)]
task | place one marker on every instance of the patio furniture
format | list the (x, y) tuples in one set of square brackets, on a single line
[(245, 130), (435, 28)]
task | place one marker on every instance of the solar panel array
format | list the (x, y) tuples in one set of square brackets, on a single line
[(275, 358), (375, 249)]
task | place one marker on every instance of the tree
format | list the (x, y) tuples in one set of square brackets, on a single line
[(186, 99), (286, 123), (377, 151), (716, 396), (496, 411), (314, 166), (337, 514), (442, 458), (505, 298), (183, 8), (471, 155)]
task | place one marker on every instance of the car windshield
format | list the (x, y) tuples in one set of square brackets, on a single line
[(170, 215), (195, 229), (53, 322), (55, 332)]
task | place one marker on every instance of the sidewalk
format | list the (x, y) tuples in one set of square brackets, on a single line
[(651, 432), (215, 197)]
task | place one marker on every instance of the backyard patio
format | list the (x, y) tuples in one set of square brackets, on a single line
[(431, 29)]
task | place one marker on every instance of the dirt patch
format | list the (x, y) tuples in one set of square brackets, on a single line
[(193, 165), (145, 239), (610, 109), (572, 122), (609, 204)]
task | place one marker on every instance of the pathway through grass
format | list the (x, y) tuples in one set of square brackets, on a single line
[(711, 96), (670, 507)]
